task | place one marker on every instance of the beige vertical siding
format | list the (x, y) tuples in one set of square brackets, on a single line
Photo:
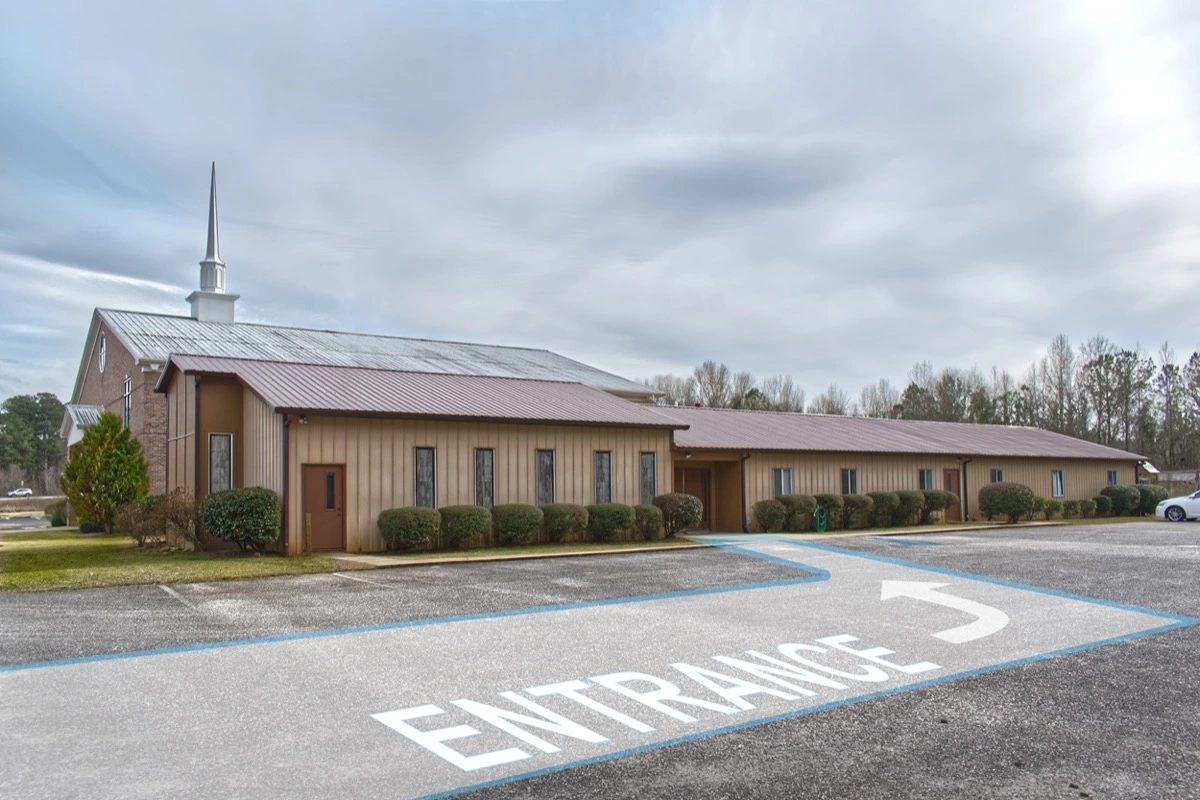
[(1082, 478), (262, 445), (220, 411), (378, 456), (181, 435)]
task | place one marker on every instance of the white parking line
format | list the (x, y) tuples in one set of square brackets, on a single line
[(177, 596), (363, 580)]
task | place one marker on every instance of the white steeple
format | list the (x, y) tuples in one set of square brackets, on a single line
[(211, 303)]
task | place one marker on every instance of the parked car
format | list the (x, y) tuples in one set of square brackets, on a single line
[(1177, 509), (24, 491)]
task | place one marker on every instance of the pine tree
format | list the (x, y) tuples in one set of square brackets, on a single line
[(107, 470)]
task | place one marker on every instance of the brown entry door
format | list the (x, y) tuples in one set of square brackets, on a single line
[(950, 484), (324, 506), (696, 482)]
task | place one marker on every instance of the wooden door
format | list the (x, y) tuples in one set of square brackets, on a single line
[(324, 493), (697, 483), (950, 483)]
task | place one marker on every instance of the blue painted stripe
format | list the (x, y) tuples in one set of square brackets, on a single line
[(805, 711), (903, 540)]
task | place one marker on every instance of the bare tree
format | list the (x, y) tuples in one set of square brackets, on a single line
[(833, 400), (740, 388), (1057, 373), (713, 384), (782, 394), (878, 400), (675, 391)]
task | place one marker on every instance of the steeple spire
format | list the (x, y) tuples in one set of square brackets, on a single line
[(210, 303), (213, 254)]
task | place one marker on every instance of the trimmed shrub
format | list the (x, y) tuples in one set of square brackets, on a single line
[(1052, 508), (1009, 500), (1038, 507), (834, 507), (1103, 503), (247, 517), (461, 523), (1125, 499), (769, 515), (518, 523), (799, 510), (87, 526), (858, 509), (680, 511), (1071, 509), (1087, 508), (647, 521), (56, 512), (178, 513), (936, 500), (561, 521), (1152, 495), (912, 503), (606, 520), (886, 506), (409, 528)]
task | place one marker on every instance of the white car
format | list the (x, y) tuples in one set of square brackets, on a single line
[(24, 491), (1177, 509)]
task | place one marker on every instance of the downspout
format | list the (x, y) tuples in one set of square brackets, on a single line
[(284, 538), (966, 504), (745, 518), (196, 437)]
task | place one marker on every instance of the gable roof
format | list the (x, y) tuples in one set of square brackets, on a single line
[(153, 337), (324, 389), (730, 429)]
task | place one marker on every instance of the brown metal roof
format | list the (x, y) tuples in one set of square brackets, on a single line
[(324, 389), (728, 429)]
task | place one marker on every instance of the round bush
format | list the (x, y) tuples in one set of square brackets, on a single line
[(769, 515), (834, 507), (858, 510), (606, 520), (1039, 507), (1009, 500), (517, 523), (911, 504), (1087, 508), (409, 528), (248, 517), (1104, 505), (563, 520), (462, 523), (886, 506), (937, 500), (799, 512), (1052, 508), (1070, 509), (680, 511), (1152, 495), (647, 521), (87, 526), (56, 512), (1125, 499)]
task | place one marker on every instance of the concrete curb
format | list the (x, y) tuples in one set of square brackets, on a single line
[(372, 561)]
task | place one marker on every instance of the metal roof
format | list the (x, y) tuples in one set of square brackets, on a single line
[(729, 429), (83, 415), (319, 388), (154, 337)]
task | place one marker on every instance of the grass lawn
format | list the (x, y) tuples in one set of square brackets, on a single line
[(65, 559), (543, 549)]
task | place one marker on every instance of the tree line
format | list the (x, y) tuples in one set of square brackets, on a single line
[(1102, 392), (30, 446)]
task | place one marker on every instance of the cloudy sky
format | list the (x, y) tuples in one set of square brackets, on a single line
[(829, 189)]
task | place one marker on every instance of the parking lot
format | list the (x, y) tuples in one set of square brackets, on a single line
[(1051, 662)]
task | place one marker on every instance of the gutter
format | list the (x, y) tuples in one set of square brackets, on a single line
[(284, 537), (745, 517), (966, 504)]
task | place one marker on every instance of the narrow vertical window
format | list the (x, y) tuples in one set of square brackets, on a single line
[(849, 481), (485, 477), (1058, 484), (127, 401), (1112, 477), (925, 479), (425, 485), (997, 476), (544, 476), (781, 480), (603, 470), (330, 494), (220, 462), (648, 478)]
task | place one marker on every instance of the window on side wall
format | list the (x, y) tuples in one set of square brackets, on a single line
[(126, 401), (424, 477), (781, 481), (1112, 477), (925, 480), (544, 476), (485, 477), (849, 481), (997, 476), (220, 462), (648, 478), (603, 475), (1058, 484)]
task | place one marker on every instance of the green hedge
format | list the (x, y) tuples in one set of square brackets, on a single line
[(1052, 508), (769, 515), (680, 511), (887, 505), (563, 520), (834, 507), (936, 500), (1038, 507), (647, 521), (911, 504), (1125, 499), (1104, 505), (1010, 500), (1087, 508), (517, 523), (1071, 508), (248, 517), (87, 526), (461, 523), (1152, 495), (606, 520), (409, 528), (859, 508), (799, 510)]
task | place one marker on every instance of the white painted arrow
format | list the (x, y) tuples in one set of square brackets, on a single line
[(990, 619)]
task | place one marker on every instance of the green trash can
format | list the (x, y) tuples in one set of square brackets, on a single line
[(820, 520)]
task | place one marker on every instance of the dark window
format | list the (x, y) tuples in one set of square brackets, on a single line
[(1112, 477), (220, 462), (997, 476), (544, 476), (781, 481), (425, 489), (648, 478), (849, 481), (330, 495), (127, 401), (1058, 484), (925, 479), (603, 476), (485, 477)]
